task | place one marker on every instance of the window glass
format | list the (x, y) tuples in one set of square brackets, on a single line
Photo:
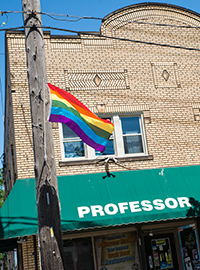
[(73, 146), (133, 144), (110, 146), (78, 254), (132, 136), (130, 125), (117, 251), (74, 149), (68, 132)]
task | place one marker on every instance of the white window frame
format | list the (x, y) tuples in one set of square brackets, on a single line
[(62, 140), (118, 141)]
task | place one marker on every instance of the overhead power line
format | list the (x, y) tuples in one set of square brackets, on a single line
[(4, 23), (105, 36), (118, 38), (75, 18), (1, 158), (53, 15), (12, 28), (161, 24)]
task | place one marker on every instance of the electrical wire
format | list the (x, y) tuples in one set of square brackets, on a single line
[(10, 12), (11, 28), (163, 24), (4, 23), (104, 36), (118, 38), (53, 15), (65, 20), (78, 18), (1, 158)]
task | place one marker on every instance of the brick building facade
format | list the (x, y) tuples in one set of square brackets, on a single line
[(141, 71)]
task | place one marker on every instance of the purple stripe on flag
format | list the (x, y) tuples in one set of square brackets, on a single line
[(73, 125)]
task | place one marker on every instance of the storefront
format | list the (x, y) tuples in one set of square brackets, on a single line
[(119, 248), (106, 251), (173, 246), (144, 219)]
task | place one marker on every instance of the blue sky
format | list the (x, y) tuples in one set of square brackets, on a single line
[(94, 8)]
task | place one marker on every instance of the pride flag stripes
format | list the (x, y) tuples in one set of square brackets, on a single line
[(68, 110)]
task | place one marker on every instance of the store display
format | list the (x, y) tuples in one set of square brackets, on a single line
[(189, 247), (117, 252), (162, 253)]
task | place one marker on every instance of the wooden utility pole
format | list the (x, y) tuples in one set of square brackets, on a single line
[(49, 228)]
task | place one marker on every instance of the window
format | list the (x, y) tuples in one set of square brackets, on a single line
[(78, 254), (132, 136), (128, 139), (117, 251), (73, 146), (110, 146)]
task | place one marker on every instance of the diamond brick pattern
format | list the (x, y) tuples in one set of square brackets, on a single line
[(92, 80)]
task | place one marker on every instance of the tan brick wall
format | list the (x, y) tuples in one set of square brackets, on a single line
[(173, 105), (10, 170), (31, 260)]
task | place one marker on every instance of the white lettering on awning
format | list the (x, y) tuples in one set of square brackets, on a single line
[(134, 206)]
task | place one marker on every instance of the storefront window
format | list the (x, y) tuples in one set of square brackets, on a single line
[(117, 251), (160, 251), (189, 247), (162, 254), (78, 254)]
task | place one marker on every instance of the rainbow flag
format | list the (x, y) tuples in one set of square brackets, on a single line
[(68, 110)]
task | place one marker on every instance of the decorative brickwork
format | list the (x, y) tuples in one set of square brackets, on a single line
[(165, 75), (96, 79), (59, 45), (93, 41), (126, 109)]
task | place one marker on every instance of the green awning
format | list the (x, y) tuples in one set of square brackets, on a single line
[(101, 200), (18, 215)]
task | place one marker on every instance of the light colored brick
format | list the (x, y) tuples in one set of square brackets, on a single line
[(172, 125)]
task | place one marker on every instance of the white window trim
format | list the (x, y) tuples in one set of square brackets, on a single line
[(118, 139), (118, 142), (61, 141), (119, 147), (144, 140)]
